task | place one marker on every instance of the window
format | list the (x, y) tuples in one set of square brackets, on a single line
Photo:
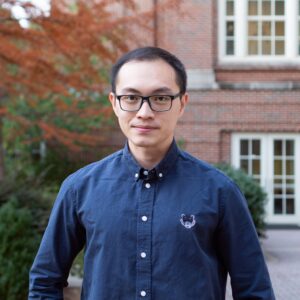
[(259, 30), (266, 27), (250, 158), (284, 176), (230, 27), (272, 160), (299, 28)]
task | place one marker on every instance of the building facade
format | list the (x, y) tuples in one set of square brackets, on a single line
[(243, 63)]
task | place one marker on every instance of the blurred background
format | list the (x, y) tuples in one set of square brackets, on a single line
[(243, 64)]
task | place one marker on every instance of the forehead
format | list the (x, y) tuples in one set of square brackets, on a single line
[(146, 76)]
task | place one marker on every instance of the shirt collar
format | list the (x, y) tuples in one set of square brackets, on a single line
[(159, 171)]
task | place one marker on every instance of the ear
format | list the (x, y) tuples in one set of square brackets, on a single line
[(113, 101), (183, 101)]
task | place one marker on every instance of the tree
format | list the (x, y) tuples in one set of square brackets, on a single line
[(54, 71)]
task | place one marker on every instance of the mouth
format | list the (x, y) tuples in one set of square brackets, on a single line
[(144, 128)]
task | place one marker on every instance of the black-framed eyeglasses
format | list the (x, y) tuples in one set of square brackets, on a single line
[(158, 103)]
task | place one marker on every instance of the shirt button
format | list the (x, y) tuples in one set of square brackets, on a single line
[(136, 175), (144, 218), (143, 254), (145, 172), (148, 185), (143, 293), (160, 175)]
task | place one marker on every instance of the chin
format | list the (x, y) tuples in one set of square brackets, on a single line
[(144, 142)]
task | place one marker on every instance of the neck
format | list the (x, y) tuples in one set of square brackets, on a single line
[(147, 157)]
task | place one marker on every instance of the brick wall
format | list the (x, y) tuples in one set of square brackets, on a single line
[(188, 32), (211, 117)]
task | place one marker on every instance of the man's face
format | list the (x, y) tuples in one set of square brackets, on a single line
[(147, 128)]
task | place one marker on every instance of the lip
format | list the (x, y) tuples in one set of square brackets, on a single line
[(144, 128)]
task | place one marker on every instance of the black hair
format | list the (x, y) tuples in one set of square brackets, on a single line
[(149, 54)]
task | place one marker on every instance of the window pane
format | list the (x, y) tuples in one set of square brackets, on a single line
[(289, 147), (290, 181), (299, 34), (229, 28), (252, 28), (290, 167), (244, 147), (266, 28), (278, 148), (252, 47), (256, 167), (277, 167), (278, 191), (290, 191), (266, 47), (279, 8), (252, 8), (229, 8), (266, 7), (230, 47), (279, 28), (277, 181), (279, 47), (256, 147), (244, 165), (290, 206), (278, 207)]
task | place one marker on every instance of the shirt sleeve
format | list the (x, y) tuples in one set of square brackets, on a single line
[(64, 237), (240, 248)]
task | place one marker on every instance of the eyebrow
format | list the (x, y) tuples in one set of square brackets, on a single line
[(160, 90)]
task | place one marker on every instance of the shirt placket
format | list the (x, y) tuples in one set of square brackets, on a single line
[(144, 240)]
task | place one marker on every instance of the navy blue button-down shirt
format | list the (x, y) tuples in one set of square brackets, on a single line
[(170, 233)]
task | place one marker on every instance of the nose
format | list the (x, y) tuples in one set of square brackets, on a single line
[(145, 111)]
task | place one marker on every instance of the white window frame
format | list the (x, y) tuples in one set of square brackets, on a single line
[(291, 18), (266, 176)]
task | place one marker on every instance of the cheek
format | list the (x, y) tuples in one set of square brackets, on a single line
[(171, 120), (169, 125), (123, 120)]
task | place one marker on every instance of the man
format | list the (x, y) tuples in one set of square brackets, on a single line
[(155, 222)]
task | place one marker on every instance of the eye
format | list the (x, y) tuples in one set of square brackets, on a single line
[(130, 98), (160, 98)]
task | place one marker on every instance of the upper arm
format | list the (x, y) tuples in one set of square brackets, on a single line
[(240, 248), (64, 237)]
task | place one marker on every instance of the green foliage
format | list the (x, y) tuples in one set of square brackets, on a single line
[(181, 143), (24, 211), (77, 267), (254, 194), (17, 249), (57, 165), (79, 113)]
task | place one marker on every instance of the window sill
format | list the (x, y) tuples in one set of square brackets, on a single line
[(259, 63)]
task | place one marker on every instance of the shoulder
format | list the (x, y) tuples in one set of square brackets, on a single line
[(101, 168), (198, 168)]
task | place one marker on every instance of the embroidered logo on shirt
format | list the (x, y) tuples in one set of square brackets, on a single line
[(188, 221)]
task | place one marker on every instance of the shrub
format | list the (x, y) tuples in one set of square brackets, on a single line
[(24, 210), (254, 194), (17, 249), (29, 193)]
